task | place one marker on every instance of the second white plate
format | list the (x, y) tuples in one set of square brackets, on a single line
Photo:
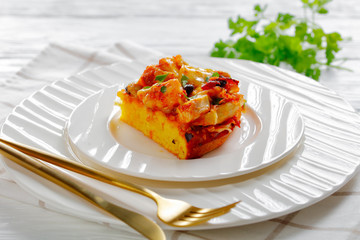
[(271, 128)]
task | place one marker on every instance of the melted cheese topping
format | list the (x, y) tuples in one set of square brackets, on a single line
[(164, 96), (195, 96)]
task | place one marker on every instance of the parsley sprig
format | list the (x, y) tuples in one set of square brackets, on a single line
[(215, 74), (216, 101), (163, 89), (299, 42), (161, 78), (184, 80)]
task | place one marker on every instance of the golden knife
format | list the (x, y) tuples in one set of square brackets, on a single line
[(140, 223)]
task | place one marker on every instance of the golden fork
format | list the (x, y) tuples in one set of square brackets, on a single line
[(173, 212), (140, 223)]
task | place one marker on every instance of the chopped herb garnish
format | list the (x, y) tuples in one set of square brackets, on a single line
[(161, 78), (207, 79), (184, 77), (189, 98), (244, 103), (163, 89), (216, 101), (186, 96), (184, 80), (215, 74), (146, 87)]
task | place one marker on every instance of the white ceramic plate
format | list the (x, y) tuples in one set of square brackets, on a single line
[(326, 159), (271, 128)]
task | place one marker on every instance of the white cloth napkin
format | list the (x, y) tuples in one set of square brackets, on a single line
[(337, 217)]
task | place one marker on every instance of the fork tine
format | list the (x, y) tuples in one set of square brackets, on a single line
[(202, 215), (203, 212), (189, 221), (198, 216)]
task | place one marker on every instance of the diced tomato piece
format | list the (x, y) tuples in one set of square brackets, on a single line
[(210, 85), (223, 82), (237, 121)]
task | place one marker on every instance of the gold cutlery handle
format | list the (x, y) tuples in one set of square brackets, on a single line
[(137, 221), (82, 169)]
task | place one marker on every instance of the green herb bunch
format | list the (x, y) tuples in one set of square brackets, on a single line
[(300, 42)]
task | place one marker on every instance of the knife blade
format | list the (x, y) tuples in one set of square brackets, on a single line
[(140, 223)]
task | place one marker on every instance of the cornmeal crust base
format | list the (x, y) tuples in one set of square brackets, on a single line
[(165, 131)]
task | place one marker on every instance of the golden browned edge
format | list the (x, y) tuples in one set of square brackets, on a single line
[(207, 147), (192, 153)]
